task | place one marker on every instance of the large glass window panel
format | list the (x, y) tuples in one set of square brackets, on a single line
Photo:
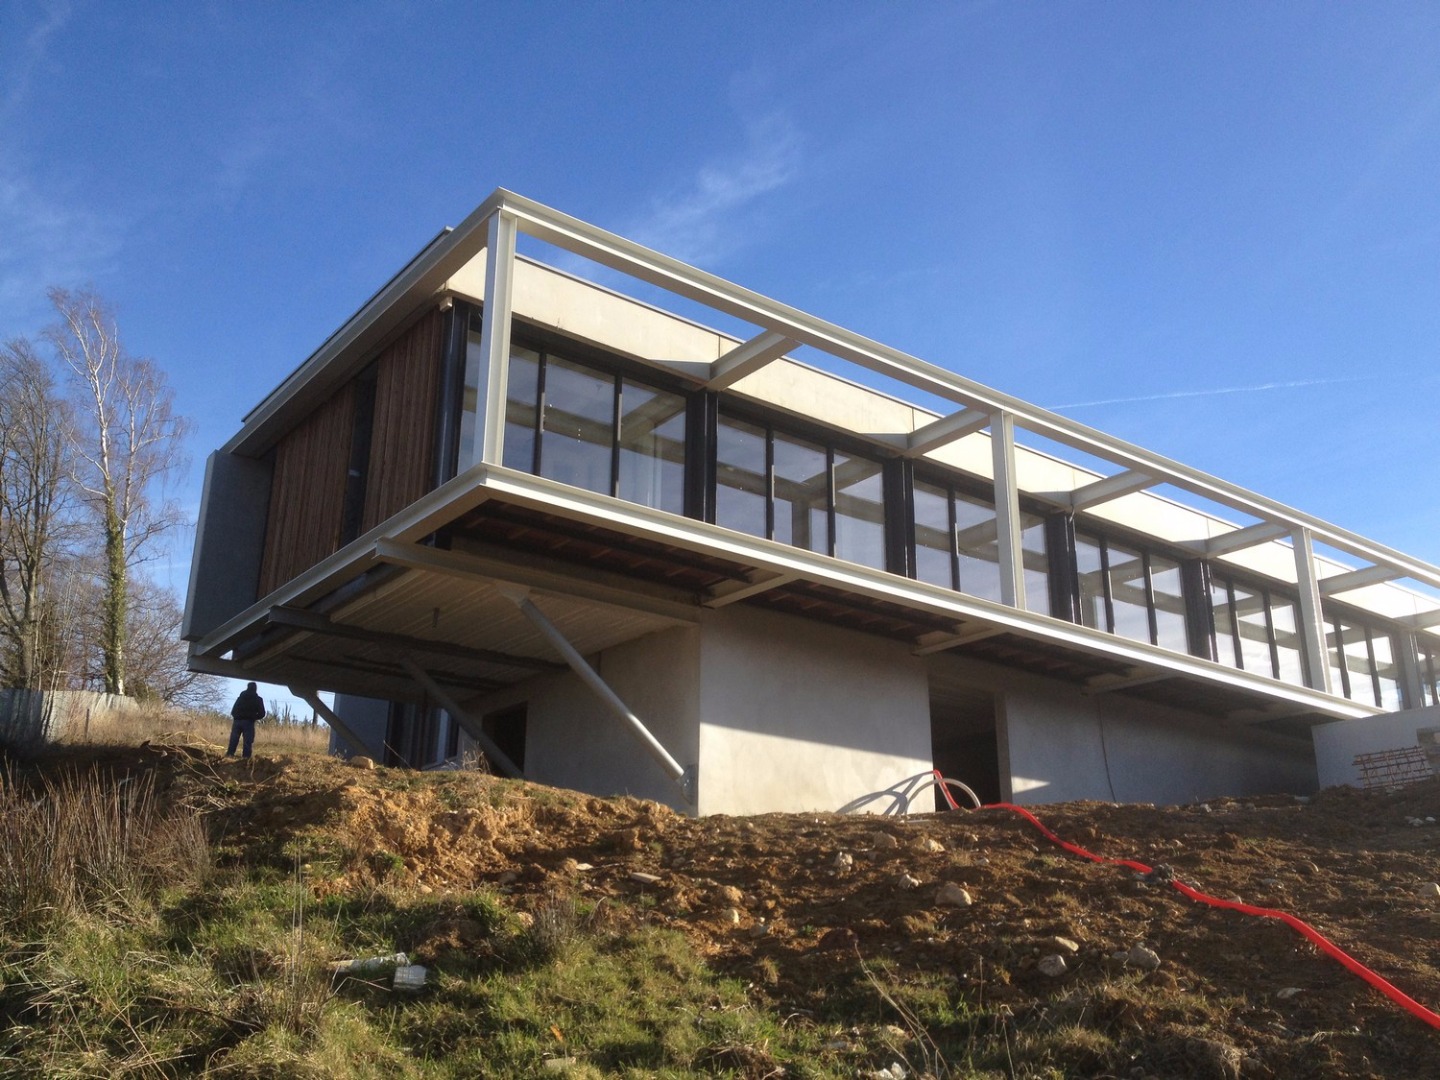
[(1386, 672), (579, 426), (802, 494), (1225, 643), (1091, 576), (933, 537), (859, 511), (652, 447), (977, 539), (1335, 657), (522, 392), (1036, 560), (1127, 592), (1357, 663), (1167, 586), (1254, 629), (1285, 616), (1429, 656), (741, 488)]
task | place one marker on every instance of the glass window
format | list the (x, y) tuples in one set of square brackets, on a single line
[(1387, 674), (1090, 572), (1127, 592), (1253, 624), (934, 536), (1429, 657), (802, 494), (1285, 618), (578, 426), (522, 392), (652, 447), (1334, 656), (1358, 664), (1168, 590), (1034, 553), (1223, 610), (742, 489), (859, 511), (977, 539)]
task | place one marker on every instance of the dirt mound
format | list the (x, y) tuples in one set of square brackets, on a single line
[(802, 906)]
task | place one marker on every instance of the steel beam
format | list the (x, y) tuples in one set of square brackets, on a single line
[(319, 624), (468, 723), (748, 357), (945, 430), (337, 725), (954, 641), (1111, 487), (728, 592), (1259, 533), (1358, 579)]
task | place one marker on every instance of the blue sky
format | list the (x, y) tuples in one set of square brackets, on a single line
[(1212, 229)]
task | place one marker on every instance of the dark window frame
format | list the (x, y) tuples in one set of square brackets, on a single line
[(1102, 539)]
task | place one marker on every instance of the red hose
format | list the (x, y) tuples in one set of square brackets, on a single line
[(1304, 929)]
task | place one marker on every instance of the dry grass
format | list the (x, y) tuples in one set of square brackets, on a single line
[(185, 728), (89, 842)]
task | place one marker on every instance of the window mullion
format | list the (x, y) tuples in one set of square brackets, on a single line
[(615, 415), (1150, 598), (769, 483), (1104, 546), (830, 500), (539, 454)]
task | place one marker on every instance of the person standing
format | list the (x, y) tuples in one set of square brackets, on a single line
[(247, 710)]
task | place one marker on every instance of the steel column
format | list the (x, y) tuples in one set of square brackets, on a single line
[(1312, 619), (1007, 510), (311, 698), (471, 726), (495, 339), (684, 778)]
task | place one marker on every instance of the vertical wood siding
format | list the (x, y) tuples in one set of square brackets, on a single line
[(402, 442), (307, 495)]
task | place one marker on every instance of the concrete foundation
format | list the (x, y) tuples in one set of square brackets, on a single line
[(1337, 744)]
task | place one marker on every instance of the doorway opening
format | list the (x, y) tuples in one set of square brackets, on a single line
[(964, 743)]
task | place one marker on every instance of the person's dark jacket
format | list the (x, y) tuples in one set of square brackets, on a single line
[(248, 706)]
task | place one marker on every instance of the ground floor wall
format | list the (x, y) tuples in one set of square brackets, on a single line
[(779, 713), (797, 715), (1056, 743), (1337, 744)]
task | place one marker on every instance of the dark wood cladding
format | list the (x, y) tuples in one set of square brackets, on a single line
[(402, 442), (314, 497), (307, 495)]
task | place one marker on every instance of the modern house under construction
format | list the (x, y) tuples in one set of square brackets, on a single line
[(623, 526)]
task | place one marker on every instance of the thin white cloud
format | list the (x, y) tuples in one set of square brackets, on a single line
[(1290, 384), (697, 222), (30, 56), (47, 242)]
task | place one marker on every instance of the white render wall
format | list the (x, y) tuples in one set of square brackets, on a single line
[(572, 740), (1337, 744), (1057, 744), (798, 715)]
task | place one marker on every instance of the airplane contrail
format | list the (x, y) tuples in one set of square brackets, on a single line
[(1213, 392)]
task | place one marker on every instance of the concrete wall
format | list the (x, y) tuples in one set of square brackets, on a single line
[(1337, 744), (1058, 744), (572, 740), (798, 715), (30, 717)]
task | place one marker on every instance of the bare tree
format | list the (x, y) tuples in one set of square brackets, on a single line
[(128, 442), (157, 662), (35, 441)]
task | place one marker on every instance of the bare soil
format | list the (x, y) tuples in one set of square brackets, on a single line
[(771, 899)]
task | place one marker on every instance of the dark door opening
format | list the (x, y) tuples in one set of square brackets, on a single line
[(506, 729), (964, 744)]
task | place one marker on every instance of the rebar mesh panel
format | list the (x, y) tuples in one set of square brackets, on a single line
[(1393, 768)]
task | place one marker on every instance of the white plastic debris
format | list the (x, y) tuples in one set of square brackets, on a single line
[(370, 965), (410, 977)]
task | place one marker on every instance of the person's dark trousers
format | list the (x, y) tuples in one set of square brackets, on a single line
[(239, 729)]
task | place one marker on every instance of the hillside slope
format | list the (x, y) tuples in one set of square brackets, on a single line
[(838, 932)]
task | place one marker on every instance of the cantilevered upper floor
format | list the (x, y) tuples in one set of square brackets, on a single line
[(636, 441)]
